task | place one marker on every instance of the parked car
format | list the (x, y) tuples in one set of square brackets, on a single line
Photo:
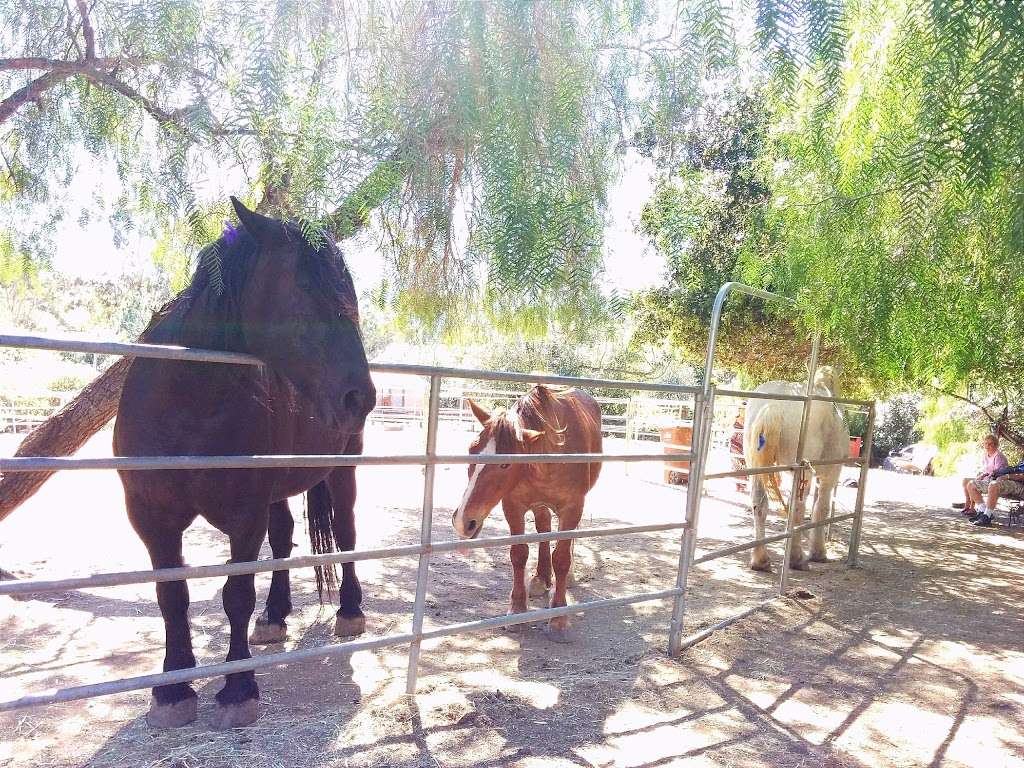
[(915, 459)]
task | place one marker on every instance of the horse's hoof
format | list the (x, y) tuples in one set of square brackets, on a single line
[(819, 558), (349, 626), (172, 715), (800, 565), (558, 630), (538, 587), (236, 715), (268, 632), (761, 565)]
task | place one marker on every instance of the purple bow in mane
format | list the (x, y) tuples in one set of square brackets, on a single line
[(230, 233)]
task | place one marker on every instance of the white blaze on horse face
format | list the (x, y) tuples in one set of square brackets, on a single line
[(459, 521)]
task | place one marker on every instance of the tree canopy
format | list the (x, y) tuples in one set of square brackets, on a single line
[(893, 208), (863, 156), (479, 139)]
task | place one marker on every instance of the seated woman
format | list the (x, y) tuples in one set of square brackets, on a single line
[(992, 461)]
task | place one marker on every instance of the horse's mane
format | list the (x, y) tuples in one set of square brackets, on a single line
[(213, 294), (535, 410)]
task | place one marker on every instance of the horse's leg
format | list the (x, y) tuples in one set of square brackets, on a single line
[(519, 554), (541, 581), (173, 705), (828, 477), (759, 560), (350, 620), (561, 561), (797, 556), (271, 626), (239, 699)]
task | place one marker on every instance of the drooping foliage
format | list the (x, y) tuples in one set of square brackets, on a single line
[(894, 211), (478, 139), (899, 219)]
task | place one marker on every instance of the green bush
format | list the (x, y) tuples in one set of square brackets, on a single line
[(954, 428)]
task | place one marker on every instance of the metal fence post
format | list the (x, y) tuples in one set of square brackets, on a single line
[(858, 510), (798, 474), (425, 536), (703, 413)]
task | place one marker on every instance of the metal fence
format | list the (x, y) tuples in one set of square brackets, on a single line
[(703, 408), (631, 418)]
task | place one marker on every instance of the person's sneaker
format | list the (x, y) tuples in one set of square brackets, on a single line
[(983, 519)]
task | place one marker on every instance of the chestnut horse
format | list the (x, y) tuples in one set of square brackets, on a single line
[(272, 295), (544, 420)]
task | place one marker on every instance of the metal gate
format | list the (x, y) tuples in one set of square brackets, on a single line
[(704, 399)]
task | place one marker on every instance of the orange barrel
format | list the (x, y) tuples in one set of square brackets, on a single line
[(677, 439)]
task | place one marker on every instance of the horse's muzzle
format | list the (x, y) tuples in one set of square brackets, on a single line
[(471, 528)]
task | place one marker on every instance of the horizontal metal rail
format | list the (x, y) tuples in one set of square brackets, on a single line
[(122, 578), (752, 395), (745, 472), (137, 463), (726, 551), (161, 351), (473, 373), (338, 649), (172, 352)]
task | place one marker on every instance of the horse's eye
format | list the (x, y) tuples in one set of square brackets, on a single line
[(504, 466)]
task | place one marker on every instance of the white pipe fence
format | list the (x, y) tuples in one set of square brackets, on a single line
[(703, 410)]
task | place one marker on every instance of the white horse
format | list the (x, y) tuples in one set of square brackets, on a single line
[(770, 436)]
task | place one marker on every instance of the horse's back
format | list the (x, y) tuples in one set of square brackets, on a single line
[(577, 416), (827, 435)]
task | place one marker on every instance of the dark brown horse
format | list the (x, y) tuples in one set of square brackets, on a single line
[(543, 420), (294, 307)]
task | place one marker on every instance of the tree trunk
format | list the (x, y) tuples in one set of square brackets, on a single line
[(64, 433), (67, 430)]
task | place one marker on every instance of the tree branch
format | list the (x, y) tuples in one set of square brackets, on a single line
[(95, 70), (161, 115), (71, 67), (87, 30), (984, 409), (30, 92)]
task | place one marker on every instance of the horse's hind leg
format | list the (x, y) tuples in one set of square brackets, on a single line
[(797, 557), (828, 477), (759, 560), (350, 619), (238, 700), (541, 581), (271, 626), (173, 705)]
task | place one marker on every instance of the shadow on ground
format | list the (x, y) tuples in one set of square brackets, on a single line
[(912, 659)]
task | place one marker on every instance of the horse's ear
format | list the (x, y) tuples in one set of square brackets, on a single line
[(256, 224), (481, 415), (531, 435)]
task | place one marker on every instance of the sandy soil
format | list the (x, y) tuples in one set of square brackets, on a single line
[(914, 659)]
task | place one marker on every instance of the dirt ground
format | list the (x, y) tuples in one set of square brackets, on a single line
[(914, 659)]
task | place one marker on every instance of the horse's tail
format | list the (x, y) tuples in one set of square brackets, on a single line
[(762, 448), (320, 515)]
